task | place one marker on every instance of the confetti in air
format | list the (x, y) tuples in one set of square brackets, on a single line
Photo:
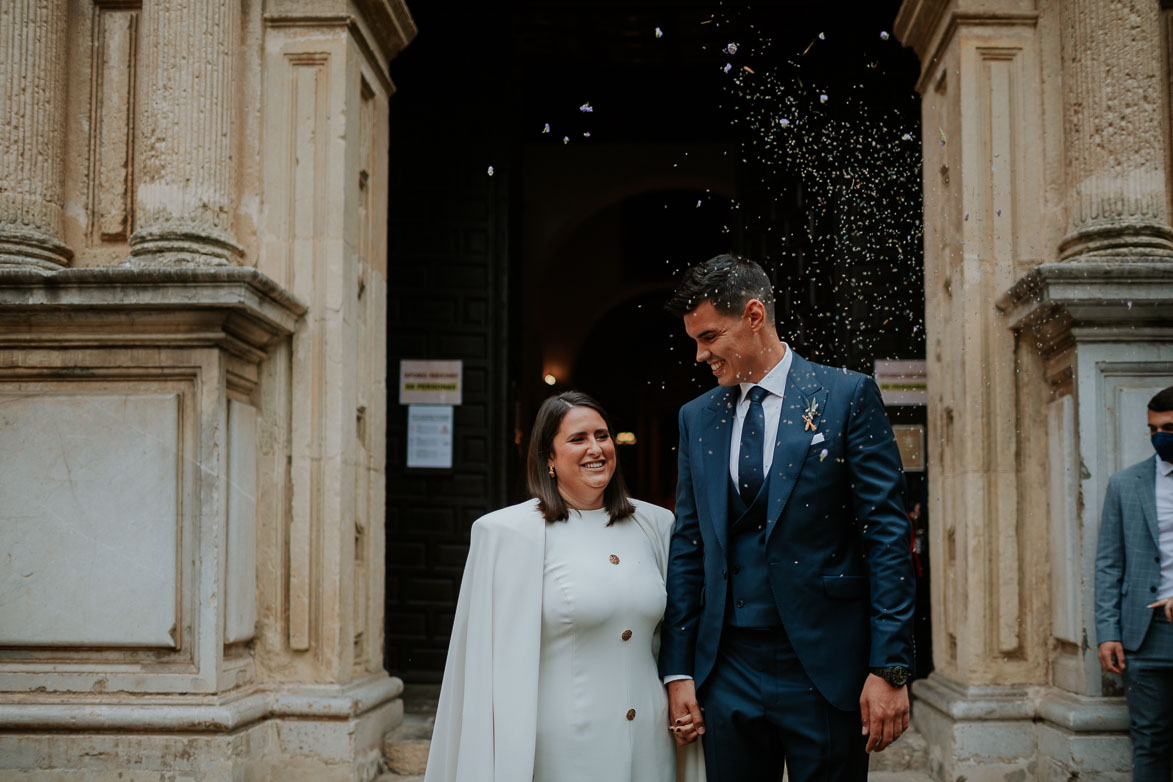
[(884, 35), (586, 108), (490, 171), (547, 128), (566, 139), (659, 33), (851, 262)]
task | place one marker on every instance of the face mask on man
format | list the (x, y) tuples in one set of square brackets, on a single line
[(1163, 445)]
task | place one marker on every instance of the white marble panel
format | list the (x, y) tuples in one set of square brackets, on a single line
[(89, 519), (240, 609)]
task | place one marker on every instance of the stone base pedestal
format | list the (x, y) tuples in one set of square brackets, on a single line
[(1013, 734), (295, 733)]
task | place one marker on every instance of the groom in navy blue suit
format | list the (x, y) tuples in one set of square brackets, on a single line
[(790, 583)]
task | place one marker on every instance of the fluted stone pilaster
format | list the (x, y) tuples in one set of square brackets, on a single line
[(1113, 99), (186, 154), (32, 133)]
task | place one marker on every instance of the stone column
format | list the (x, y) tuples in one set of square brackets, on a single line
[(32, 133), (1113, 101), (186, 156)]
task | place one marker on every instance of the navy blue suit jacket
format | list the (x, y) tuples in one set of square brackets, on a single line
[(837, 546)]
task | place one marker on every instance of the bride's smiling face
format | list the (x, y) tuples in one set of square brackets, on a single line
[(583, 458)]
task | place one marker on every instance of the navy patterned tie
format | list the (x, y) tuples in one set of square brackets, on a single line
[(753, 439)]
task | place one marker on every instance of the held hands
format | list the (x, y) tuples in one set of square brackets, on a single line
[(883, 712), (684, 714), (1167, 603), (1112, 655)]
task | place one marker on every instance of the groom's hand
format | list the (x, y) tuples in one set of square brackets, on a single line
[(883, 712), (684, 712)]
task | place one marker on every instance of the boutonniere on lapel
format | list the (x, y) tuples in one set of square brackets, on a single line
[(812, 412)]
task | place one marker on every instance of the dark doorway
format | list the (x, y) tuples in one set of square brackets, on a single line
[(555, 165)]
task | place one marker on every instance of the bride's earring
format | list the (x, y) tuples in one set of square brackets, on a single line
[(552, 475)]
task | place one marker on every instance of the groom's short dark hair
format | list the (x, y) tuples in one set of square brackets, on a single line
[(728, 282)]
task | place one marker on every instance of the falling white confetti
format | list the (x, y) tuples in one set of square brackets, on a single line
[(587, 134), (906, 137), (823, 97), (884, 36), (698, 204), (659, 33), (784, 122), (566, 139), (727, 68), (547, 128), (490, 171), (822, 37), (823, 454), (966, 216), (731, 48), (998, 212), (586, 108)]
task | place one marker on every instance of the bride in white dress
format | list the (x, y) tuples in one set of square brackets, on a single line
[(551, 673)]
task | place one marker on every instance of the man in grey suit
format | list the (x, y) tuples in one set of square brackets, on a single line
[(1134, 594)]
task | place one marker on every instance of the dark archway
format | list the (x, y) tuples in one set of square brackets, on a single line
[(476, 258)]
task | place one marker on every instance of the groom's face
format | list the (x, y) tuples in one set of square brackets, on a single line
[(724, 342)]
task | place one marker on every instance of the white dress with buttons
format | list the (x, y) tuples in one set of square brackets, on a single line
[(602, 710)]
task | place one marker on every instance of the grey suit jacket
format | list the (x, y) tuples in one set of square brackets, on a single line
[(1128, 563)]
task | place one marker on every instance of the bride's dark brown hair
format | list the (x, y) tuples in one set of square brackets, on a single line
[(616, 500)]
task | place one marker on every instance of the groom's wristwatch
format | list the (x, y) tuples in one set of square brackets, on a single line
[(895, 675)]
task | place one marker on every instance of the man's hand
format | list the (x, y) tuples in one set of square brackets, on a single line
[(684, 713), (883, 712), (1167, 604), (1112, 656)]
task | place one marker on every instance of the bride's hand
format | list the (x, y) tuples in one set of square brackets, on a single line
[(684, 713)]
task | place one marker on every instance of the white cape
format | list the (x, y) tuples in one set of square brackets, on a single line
[(486, 719)]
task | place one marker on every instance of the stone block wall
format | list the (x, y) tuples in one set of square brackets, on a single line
[(193, 285), (1048, 255)]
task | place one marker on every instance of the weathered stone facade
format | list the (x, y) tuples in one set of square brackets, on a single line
[(193, 201), (1049, 298)]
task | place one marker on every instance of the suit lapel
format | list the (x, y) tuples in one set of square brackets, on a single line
[(716, 427), (1148, 500), (794, 439)]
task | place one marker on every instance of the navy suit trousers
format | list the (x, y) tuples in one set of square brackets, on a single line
[(1148, 679), (762, 710)]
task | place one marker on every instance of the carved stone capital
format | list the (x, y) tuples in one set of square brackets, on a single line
[(1100, 299)]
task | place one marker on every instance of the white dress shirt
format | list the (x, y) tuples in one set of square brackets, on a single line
[(1165, 526), (774, 381)]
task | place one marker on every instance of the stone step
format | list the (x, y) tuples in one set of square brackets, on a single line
[(406, 752), (899, 776), (406, 747)]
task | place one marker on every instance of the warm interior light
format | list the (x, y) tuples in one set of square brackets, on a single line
[(625, 438), (550, 380)]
